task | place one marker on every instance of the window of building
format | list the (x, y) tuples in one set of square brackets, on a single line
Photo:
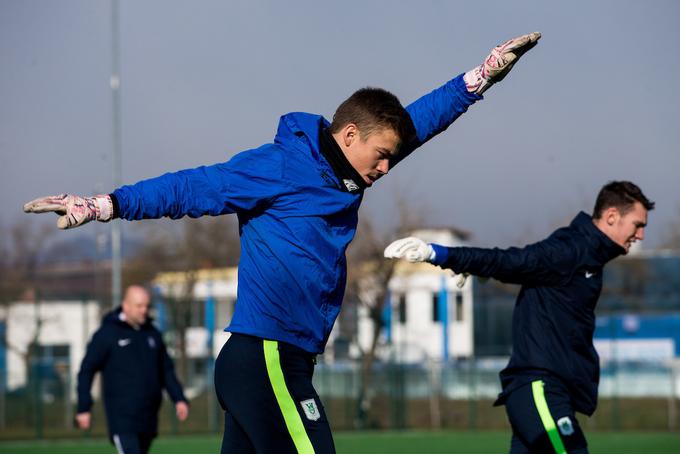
[(401, 308), (459, 307), (435, 307), (453, 298)]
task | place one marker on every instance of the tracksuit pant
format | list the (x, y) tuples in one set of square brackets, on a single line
[(543, 420), (265, 389), (132, 443)]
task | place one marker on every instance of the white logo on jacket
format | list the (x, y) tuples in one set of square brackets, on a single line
[(589, 274), (124, 342), (152, 342), (350, 185)]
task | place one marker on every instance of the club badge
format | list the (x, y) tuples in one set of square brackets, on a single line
[(565, 425), (311, 410)]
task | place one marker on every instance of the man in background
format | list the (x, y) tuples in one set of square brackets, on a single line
[(554, 370), (131, 355)]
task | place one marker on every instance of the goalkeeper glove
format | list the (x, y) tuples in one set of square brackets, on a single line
[(499, 63), (416, 250), (412, 249), (75, 210)]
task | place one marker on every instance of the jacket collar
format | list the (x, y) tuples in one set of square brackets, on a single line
[(341, 166), (304, 132), (604, 249), (300, 130)]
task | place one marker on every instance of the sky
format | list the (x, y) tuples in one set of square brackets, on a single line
[(595, 101)]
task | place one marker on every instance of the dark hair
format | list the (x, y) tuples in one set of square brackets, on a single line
[(622, 195), (372, 109)]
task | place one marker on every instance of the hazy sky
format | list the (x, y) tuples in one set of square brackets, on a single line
[(596, 100)]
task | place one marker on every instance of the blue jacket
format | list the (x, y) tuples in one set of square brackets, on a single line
[(135, 367), (295, 220), (554, 317)]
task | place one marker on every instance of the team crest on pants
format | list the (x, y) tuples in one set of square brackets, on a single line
[(565, 426), (311, 410)]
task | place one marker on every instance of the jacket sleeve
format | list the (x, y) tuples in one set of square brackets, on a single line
[(548, 262), (95, 357), (434, 112), (251, 179), (170, 381)]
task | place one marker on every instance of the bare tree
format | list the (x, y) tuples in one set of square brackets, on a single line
[(672, 234), (20, 247), (204, 243), (369, 274)]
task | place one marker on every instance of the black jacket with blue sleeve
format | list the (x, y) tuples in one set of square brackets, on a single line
[(135, 367), (554, 316)]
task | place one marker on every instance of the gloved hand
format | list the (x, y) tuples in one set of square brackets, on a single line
[(76, 210), (499, 62), (412, 249), (416, 250)]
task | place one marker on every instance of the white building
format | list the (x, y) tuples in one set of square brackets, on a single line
[(419, 328), (218, 285), (61, 330)]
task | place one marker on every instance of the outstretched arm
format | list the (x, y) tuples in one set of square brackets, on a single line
[(434, 112), (547, 262), (250, 179)]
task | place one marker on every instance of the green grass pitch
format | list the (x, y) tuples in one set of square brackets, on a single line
[(378, 443)]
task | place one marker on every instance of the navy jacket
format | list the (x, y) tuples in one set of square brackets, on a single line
[(554, 317), (135, 367), (295, 218)]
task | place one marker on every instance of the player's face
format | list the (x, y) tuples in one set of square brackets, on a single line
[(136, 306), (370, 156), (628, 228)]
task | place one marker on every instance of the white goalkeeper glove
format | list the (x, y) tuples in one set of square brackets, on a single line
[(412, 249), (75, 210), (416, 250), (499, 62)]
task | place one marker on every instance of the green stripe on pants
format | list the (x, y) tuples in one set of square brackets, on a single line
[(283, 397), (546, 417)]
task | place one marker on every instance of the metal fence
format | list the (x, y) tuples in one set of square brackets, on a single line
[(433, 395)]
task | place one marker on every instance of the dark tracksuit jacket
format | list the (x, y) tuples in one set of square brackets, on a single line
[(135, 367), (554, 317)]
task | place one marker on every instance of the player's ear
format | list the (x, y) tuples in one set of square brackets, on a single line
[(350, 133), (611, 215)]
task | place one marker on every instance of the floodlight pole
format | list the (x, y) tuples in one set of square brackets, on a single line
[(116, 281)]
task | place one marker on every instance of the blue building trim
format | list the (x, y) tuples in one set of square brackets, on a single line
[(640, 326)]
